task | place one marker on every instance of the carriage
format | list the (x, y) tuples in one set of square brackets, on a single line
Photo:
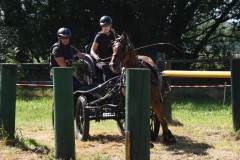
[(101, 101)]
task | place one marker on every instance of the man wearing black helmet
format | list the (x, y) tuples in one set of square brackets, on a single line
[(101, 50), (62, 54)]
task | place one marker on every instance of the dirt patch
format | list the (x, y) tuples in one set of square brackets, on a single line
[(192, 143)]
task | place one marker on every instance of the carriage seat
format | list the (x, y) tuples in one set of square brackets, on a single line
[(90, 64), (91, 68)]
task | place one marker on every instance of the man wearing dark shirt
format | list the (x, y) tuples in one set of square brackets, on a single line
[(63, 54)]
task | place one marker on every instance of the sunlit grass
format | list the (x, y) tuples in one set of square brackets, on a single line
[(37, 109), (201, 116), (194, 107)]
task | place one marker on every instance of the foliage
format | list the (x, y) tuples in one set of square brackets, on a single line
[(200, 28), (37, 72), (8, 45)]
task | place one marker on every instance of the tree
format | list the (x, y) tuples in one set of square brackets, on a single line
[(194, 26), (7, 46)]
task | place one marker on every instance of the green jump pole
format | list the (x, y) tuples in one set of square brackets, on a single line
[(63, 113), (8, 98), (137, 114), (235, 88)]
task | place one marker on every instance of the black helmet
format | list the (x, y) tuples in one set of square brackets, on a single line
[(105, 20), (64, 32)]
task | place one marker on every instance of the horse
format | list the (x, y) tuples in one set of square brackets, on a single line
[(124, 54)]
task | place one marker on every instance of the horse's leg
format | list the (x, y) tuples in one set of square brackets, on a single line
[(157, 105)]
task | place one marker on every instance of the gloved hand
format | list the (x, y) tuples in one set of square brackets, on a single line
[(99, 60)]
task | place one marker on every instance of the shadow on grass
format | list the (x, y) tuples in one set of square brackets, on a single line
[(186, 145), (25, 144), (107, 138), (33, 93), (31, 145), (175, 122)]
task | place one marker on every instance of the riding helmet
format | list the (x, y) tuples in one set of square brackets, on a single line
[(64, 32), (105, 20)]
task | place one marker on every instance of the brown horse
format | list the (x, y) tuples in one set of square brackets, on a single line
[(124, 54)]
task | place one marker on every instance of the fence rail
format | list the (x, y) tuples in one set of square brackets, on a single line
[(194, 60)]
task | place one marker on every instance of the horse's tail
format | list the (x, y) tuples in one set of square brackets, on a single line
[(165, 87)]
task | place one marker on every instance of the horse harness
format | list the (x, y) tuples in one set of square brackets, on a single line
[(125, 43), (155, 75)]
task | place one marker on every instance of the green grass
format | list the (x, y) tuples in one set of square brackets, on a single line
[(195, 106), (33, 112), (33, 106), (199, 111)]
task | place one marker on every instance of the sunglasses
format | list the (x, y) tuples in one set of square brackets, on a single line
[(64, 37), (106, 25)]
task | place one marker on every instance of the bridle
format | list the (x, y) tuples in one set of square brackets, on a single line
[(127, 45)]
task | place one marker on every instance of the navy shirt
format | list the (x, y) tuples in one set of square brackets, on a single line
[(59, 50), (104, 49)]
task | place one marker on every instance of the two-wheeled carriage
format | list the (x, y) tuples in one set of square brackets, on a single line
[(101, 101)]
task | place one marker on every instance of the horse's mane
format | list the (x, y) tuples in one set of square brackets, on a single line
[(116, 35)]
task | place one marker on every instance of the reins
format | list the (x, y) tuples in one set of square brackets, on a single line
[(155, 44)]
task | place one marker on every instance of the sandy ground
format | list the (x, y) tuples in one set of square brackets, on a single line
[(193, 144)]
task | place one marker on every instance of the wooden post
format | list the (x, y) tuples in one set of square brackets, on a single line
[(138, 113), (235, 89), (63, 113), (8, 98)]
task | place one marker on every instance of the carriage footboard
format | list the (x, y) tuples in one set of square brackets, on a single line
[(106, 111)]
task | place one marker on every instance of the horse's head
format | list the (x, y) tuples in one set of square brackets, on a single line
[(121, 53)]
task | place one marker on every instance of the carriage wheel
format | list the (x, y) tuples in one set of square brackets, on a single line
[(154, 126), (121, 126), (82, 119)]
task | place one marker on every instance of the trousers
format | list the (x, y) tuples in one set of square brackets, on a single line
[(107, 73)]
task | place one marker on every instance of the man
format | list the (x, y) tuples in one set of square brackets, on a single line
[(63, 54)]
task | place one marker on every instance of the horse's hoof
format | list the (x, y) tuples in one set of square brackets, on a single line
[(153, 137), (151, 145), (170, 141), (168, 138)]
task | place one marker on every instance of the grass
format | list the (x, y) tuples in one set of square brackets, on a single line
[(201, 109), (204, 130), (32, 115)]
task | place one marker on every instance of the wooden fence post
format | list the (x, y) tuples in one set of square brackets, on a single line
[(235, 88), (63, 113), (137, 114), (8, 98)]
